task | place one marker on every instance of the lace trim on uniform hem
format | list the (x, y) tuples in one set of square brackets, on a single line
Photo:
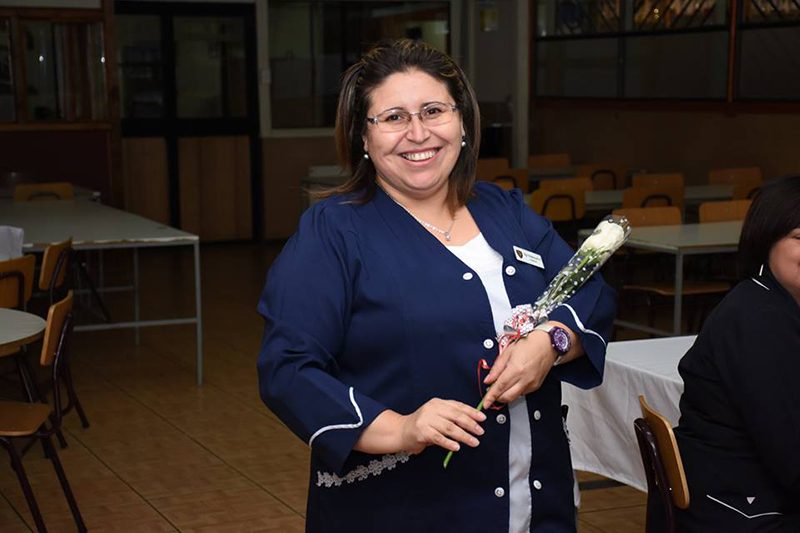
[(362, 472)]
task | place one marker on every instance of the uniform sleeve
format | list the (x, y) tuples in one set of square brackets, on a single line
[(758, 354), (306, 308), (589, 313)]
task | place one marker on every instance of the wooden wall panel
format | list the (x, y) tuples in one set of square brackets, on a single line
[(692, 142), (285, 163), (78, 156), (145, 177), (215, 199)]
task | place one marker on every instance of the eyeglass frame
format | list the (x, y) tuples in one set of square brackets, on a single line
[(374, 119)]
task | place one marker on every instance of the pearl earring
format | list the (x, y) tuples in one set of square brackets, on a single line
[(366, 155), (463, 140)]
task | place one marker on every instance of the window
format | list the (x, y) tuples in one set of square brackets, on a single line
[(312, 43), (141, 66), (7, 105), (770, 38), (210, 67), (64, 71), (667, 49)]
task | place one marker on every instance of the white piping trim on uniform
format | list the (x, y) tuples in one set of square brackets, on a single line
[(740, 512), (320, 431), (580, 324), (755, 280)]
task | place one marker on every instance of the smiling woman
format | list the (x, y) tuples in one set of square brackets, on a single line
[(390, 297)]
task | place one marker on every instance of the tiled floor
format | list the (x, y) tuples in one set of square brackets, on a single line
[(164, 455)]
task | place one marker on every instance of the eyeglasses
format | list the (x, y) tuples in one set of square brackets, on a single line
[(432, 114)]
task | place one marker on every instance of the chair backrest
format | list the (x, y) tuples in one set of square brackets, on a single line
[(734, 176), (55, 345), (488, 168), (669, 453), (505, 181), (55, 263), (604, 176), (26, 192), (651, 216), (655, 196), (549, 160), (566, 184), (660, 516), (724, 211), (559, 205), (746, 189), (674, 179), (16, 281)]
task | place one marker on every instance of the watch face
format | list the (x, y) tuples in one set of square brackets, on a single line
[(560, 339)]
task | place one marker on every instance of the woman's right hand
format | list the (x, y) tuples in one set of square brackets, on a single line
[(444, 423)]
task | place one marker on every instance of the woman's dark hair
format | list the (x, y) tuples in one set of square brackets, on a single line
[(371, 70), (774, 213)]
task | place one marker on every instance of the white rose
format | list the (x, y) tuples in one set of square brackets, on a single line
[(607, 236)]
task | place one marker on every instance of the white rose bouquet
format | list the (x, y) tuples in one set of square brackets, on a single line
[(607, 237)]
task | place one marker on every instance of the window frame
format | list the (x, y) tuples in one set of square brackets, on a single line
[(731, 104), (265, 87)]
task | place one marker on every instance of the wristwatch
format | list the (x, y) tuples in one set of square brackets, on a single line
[(559, 339)]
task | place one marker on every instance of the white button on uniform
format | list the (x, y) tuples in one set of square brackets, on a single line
[(488, 343), (510, 270), (501, 419), (467, 276), (537, 484), (499, 492), (537, 414)]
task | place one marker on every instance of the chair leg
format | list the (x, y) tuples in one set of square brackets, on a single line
[(84, 275), (73, 396), (62, 478), (16, 464)]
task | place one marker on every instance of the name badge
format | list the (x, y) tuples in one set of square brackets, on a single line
[(529, 257)]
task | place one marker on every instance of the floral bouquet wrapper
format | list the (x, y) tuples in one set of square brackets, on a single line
[(607, 237)]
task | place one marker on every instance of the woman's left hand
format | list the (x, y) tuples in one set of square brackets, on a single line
[(520, 368)]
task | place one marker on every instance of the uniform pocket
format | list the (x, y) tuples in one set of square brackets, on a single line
[(748, 507)]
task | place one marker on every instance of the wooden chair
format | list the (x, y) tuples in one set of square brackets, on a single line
[(724, 211), (489, 167), (562, 204), (666, 479), (26, 192), (664, 216), (53, 272), (674, 179), (549, 160), (565, 206), (16, 288), (505, 182), (21, 420), (565, 184), (653, 196), (735, 176), (498, 171), (16, 281), (53, 279), (651, 216), (745, 180), (746, 189), (604, 176)]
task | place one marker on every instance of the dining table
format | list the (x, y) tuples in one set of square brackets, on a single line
[(17, 329), (600, 420)]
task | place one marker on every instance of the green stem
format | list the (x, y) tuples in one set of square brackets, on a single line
[(450, 453)]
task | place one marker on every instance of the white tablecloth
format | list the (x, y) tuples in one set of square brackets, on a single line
[(11, 239), (600, 420)]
